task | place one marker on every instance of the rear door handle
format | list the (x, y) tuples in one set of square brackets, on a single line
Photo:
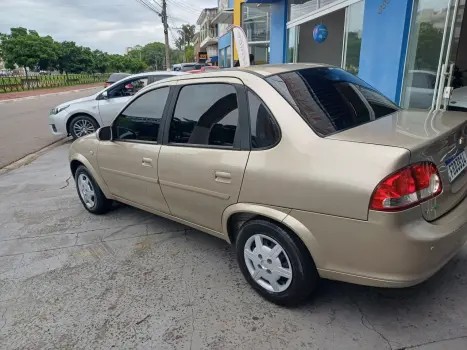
[(222, 176), (146, 162)]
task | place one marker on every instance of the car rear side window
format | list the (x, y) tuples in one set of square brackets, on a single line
[(205, 114), (141, 119), (330, 99), (264, 130)]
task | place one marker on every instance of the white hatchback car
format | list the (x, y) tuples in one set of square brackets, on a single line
[(85, 115)]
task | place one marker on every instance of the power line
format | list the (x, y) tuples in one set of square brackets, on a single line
[(148, 6), (155, 3), (182, 6)]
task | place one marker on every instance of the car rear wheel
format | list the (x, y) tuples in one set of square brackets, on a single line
[(90, 193), (276, 263), (82, 125)]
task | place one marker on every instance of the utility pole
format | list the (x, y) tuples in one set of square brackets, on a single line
[(166, 34)]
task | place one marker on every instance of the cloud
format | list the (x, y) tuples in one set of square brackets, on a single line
[(107, 25)]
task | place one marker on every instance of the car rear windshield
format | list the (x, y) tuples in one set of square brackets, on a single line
[(330, 99)]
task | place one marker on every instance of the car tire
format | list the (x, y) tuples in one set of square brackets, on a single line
[(261, 269), (89, 192), (82, 125)]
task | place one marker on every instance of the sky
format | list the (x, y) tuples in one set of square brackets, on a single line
[(107, 25)]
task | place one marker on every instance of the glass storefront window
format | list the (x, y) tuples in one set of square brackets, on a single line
[(423, 53), (330, 50), (228, 56), (256, 21), (222, 58), (291, 44), (299, 8), (353, 37), (260, 52)]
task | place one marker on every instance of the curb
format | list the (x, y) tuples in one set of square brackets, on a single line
[(44, 95), (32, 156)]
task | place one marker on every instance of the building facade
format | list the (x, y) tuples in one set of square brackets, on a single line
[(208, 33), (223, 20), (397, 46)]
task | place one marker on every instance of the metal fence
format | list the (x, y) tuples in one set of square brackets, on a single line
[(23, 83)]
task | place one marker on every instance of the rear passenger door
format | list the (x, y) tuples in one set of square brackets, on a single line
[(205, 150)]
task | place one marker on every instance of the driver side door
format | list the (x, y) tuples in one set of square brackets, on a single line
[(118, 96)]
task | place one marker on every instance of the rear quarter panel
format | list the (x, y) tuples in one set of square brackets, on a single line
[(310, 173)]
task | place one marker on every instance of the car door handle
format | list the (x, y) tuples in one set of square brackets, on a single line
[(146, 162), (222, 176)]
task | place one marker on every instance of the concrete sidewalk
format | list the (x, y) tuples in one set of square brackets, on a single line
[(132, 280), (34, 93)]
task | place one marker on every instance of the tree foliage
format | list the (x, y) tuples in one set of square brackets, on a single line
[(185, 41), (26, 48)]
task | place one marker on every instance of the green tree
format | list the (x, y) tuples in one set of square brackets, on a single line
[(354, 45), (27, 49), (429, 43), (187, 34), (189, 53)]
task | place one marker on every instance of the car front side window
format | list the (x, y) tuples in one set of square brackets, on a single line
[(140, 120), (127, 88), (205, 114)]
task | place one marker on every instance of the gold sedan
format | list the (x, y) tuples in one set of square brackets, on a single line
[(306, 169)]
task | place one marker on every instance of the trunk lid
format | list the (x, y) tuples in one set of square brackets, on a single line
[(436, 136)]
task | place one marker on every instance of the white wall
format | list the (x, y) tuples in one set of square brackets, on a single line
[(330, 51)]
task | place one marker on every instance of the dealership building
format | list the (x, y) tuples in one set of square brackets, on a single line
[(401, 47)]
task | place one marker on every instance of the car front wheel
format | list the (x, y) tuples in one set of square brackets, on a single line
[(82, 125), (90, 193), (275, 262)]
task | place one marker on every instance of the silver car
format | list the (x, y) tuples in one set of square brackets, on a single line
[(85, 115)]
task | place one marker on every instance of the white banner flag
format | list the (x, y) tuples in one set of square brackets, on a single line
[(241, 44)]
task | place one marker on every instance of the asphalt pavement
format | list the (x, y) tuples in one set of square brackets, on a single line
[(24, 127), (132, 280)]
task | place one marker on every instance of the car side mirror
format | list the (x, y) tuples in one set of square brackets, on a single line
[(104, 133), (104, 95)]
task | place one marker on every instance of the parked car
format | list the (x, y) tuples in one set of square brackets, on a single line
[(204, 69), (185, 67), (419, 92), (114, 77), (306, 169), (85, 115)]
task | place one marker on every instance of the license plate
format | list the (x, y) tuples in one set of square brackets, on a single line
[(456, 165)]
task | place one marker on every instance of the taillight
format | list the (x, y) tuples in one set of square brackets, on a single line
[(107, 84), (407, 187)]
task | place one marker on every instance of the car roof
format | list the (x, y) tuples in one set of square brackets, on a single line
[(272, 69), (262, 71)]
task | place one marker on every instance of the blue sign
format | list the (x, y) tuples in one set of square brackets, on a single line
[(320, 33)]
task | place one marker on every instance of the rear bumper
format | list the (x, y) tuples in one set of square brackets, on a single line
[(388, 250)]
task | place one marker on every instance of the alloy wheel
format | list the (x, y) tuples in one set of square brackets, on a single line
[(83, 127)]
